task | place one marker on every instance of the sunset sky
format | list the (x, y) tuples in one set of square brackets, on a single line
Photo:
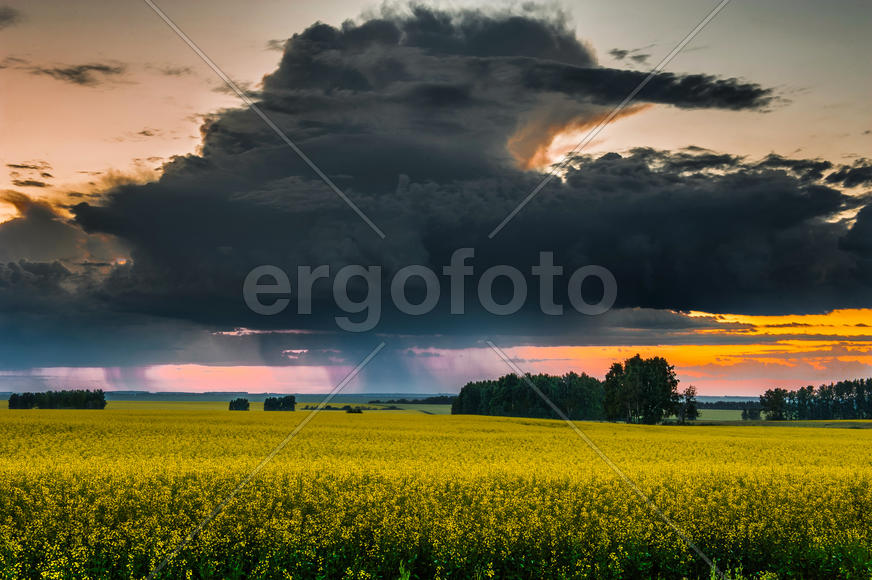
[(730, 200)]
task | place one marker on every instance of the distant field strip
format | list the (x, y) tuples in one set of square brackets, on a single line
[(97, 494)]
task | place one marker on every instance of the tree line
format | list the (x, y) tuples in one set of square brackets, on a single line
[(434, 400), (347, 408), (850, 399), (727, 405), (579, 396), (70, 399), (637, 391), (286, 403)]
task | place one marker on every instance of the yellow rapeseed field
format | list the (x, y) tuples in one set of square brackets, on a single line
[(96, 494)]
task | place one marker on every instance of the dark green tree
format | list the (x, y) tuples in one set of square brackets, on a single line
[(239, 404), (774, 403), (641, 390), (686, 409), (616, 405), (286, 403)]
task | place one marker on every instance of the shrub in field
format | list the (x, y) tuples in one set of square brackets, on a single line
[(286, 403), (239, 404)]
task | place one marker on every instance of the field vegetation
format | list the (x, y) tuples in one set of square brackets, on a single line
[(404, 494)]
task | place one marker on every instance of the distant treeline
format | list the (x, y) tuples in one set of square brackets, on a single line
[(74, 399), (842, 400), (727, 405), (750, 409), (646, 391), (637, 391), (437, 400), (286, 403), (346, 408), (579, 396)]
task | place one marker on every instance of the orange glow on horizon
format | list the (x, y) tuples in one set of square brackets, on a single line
[(846, 322), (787, 350)]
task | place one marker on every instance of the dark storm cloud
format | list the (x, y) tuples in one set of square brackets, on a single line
[(29, 174), (9, 16), (426, 118), (634, 54), (29, 183), (859, 239), (606, 86), (806, 168), (87, 75), (739, 239), (679, 230), (860, 173), (412, 114), (691, 159), (30, 165), (36, 277), (83, 335), (39, 234)]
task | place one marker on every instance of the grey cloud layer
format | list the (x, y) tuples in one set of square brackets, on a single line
[(423, 117), (9, 16), (88, 75)]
